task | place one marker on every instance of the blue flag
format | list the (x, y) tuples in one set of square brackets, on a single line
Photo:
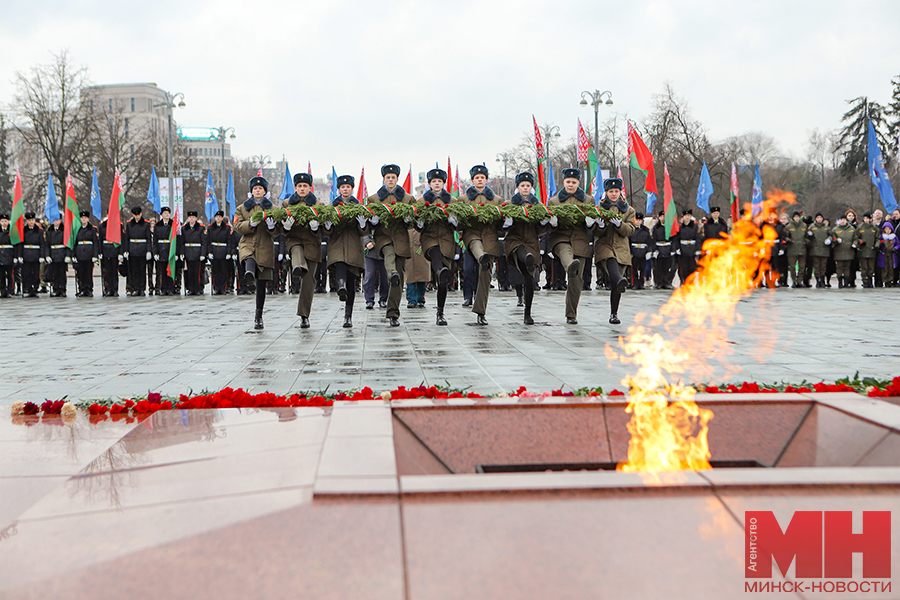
[(878, 173), (704, 190), (334, 190), (152, 192), (287, 188), (598, 186), (96, 202), (231, 205), (212, 204), (51, 209), (551, 181), (756, 199)]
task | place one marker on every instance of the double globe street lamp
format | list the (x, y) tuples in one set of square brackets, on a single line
[(169, 104), (595, 99)]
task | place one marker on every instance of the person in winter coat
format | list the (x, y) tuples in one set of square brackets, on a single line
[(795, 242), (165, 283), (522, 244), (687, 245), (571, 245), (482, 242), (57, 259), (663, 254), (345, 250), (867, 235), (257, 248), (845, 242), (8, 258), (87, 252), (136, 244), (219, 250), (437, 240), (612, 249), (304, 246), (194, 241), (888, 248), (641, 247), (34, 252), (819, 234), (110, 259)]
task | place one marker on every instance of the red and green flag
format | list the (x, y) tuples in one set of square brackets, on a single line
[(72, 218), (17, 228), (173, 246), (363, 194), (541, 191), (642, 160), (593, 167), (735, 195), (455, 192), (114, 214), (407, 184), (671, 211), (449, 177)]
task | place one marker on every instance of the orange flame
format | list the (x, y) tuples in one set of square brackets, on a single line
[(668, 429)]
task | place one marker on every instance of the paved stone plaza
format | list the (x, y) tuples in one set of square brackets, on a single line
[(104, 347)]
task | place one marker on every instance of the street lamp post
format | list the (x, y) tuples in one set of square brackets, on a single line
[(596, 99), (223, 131), (169, 103), (504, 158), (262, 159), (549, 131)]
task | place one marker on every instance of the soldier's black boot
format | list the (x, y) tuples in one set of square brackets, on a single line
[(348, 321), (304, 322), (258, 323), (840, 282), (249, 282), (528, 319), (614, 319), (440, 320), (481, 320), (342, 290)]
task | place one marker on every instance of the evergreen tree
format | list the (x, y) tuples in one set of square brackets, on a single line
[(854, 136), (6, 177), (893, 117)]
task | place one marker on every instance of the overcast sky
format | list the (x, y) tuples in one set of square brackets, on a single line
[(351, 83)]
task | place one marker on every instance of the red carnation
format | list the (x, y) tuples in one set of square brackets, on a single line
[(154, 397), (427, 203), (393, 202), (30, 408), (616, 393)]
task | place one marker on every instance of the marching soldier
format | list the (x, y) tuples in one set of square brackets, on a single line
[(392, 243), (641, 247), (110, 258), (193, 239), (33, 252), (137, 242), (795, 239), (58, 258), (663, 257), (687, 248), (482, 243), (219, 239), (522, 244), (844, 236), (867, 249), (345, 250), (8, 259), (257, 249), (571, 245), (304, 246), (87, 252), (612, 251), (819, 234), (162, 235), (437, 240)]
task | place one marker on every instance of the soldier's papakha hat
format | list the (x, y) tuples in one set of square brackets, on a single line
[(136, 210), (687, 211), (436, 174), (571, 173), (220, 213), (85, 213), (346, 180), (478, 170), (302, 178), (259, 181), (713, 209), (4, 216), (165, 209), (388, 169), (639, 216), (524, 176), (613, 183), (192, 213)]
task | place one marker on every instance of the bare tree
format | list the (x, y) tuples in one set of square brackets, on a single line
[(822, 150), (6, 178)]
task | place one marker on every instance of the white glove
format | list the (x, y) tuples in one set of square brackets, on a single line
[(839, 241), (227, 257), (616, 221), (698, 253), (362, 221), (601, 223), (327, 225), (121, 259), (125, 254), (68, 260), (678, 252), (507, 222), (456, 257), (210, 256), (41, 259), (288, 223), (281, 257), (149, 256), (270, 223), (554, 221), (156, 257), (420, 224), (589, 221), (544, 222), (97, 259), (780, 252), (181, 258), (809, 234), (407, 220), (314, 225), (374, 219), (453, 221), (828, 242)]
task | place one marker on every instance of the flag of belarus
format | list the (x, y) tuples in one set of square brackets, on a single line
[(114, 214), (671, 211), (17, 227), (173, 255), (72, 219)]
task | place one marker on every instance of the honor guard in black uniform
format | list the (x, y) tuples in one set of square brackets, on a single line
[(58, 258), (234, 282), (663, 255), (641, 246), (687, 247), (87, 252), (194, 241), (8, 258), (34, 251), (110, 257), (220, 248), (137, 243), (162, 234)]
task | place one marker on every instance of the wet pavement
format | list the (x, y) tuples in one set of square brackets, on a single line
[(107, 347)]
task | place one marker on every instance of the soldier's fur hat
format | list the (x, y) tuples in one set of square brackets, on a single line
[(255, 181), (436, 174), (478, 170), (524, 176), (571, 173), (613, 183), (346, 180), (302, 178), (386, 169)]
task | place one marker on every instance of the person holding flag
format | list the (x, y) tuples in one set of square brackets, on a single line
[(304, 246), (162, 239), (57, 258), (137, 244), (571, 245), (194, 242), (482, 243), (257, 247), (346, 262), (34, 252), (87, 252), (612, 246)]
